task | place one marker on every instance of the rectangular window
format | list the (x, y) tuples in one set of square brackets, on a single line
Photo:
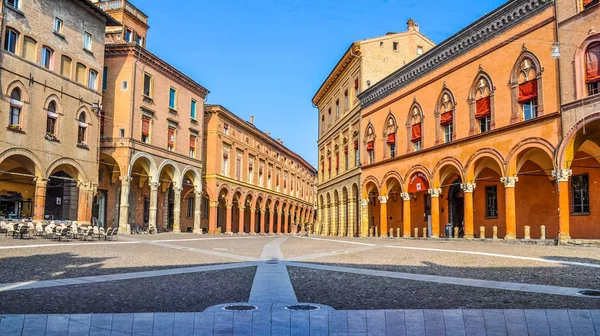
[(104, 77), (448, 133), (356, 158), (593, 88), (392, 150), (65, 66), (87, 41), (128, 35), (145, 129), (337, 108), (491, 202), (530, 109), (10, 41), (29, 49), (419, 50), (193, 109), (238, 167), (329, 111), (251, 171), (260, 175), (346, 161), (356, 88), (484, 124), (80, 73), (395, 45), (138, 39), (417, 145), (580, 189), (371, 156), (148, 85), (58, 25), (171, 139), (172, 98), (47, 57), (225, 163), (14, 3), (192, 146), (50, 126), (92, 79), (346, 100), (190, 207)]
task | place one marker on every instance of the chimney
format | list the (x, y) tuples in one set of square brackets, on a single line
[(268, 134), (252, 119), (279, 141), (412, 25)]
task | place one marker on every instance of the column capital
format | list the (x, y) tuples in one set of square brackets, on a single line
[(383, 199), (468, 187), (229, 205), (198, 193), (405, 196), (154, 185), (214, 204), (509, 181), (125, 179), (241, 208), (177, 189), (562, 175), (435, 192), (364, 202), (252, 209), (40, 181)]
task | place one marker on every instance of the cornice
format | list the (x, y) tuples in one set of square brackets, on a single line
[(352, 52), (489, 26)]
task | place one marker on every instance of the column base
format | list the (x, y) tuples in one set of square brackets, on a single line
[(124, 229), (214, 232), (229, 233), (406, 235), (176, 231), (198, 231), (564, 237), (435, 236), (510, 237), (253, 233), (469, 236)]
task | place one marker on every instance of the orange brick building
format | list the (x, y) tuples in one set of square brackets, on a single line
[(253, 183), (466, 134)]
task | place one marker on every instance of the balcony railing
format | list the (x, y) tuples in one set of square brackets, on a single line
[(108, 5)]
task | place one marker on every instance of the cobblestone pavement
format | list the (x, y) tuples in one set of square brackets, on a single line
[(148, 279)]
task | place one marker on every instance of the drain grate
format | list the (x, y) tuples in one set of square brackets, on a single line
[(590, 292), (272, 261), (240, 307), (302, 307)]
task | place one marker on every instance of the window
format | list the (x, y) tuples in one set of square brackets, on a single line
[(80, 73), (225, 163), (356, 154), (592, 73), (484, 124), (124, 85), (104, 78), (483, 103), (58, 25), (226, 129), (121, 132), (193, 109), (172, 98), (92, 79), (416, 134), (529, 109), (171, 139), (322, 123), (380, 44), (585, 4), (329, 111), (419, 50), (145, 130), (238, 167), (250, 171), (337, 108), (346, 159), (528, 89), (47, 57), (371, 156), (138, 39), (16, 106), (128, 35), (82, 127), (14, 3), (65, 66), (356, 88), (395, 45), (260, 175), (148, 85), (29, 49), (192, 146), (417, 146), (10, 41), (190, 207), (269, 178), (51, 121), (581, 193), (87, 41), (448, 133), (346, 101), (491, 202)]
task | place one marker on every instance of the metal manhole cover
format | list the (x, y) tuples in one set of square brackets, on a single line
[(240, 307), (302, 307), (590, 292)]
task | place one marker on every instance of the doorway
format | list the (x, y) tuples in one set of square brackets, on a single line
[(456, 206)]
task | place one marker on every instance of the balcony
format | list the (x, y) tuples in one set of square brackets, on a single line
[(110, 5)]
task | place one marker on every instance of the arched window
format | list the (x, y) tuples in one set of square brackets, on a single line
[(526, 87), (592, 69), (51, 121), (10, 40), (445, 116), (29, 49), (481, 102), (82, 127), (16, 107), (370, 141), (414, 127), (390, 131)]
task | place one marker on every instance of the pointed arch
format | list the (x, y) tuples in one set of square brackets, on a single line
[(369, 142), (481, 103), (414, 127), (445, 121), (390, 129), (526, 75), (580, 64)]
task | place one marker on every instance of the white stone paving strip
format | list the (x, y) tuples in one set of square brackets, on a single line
[(338, 241), (522, 287), (209, 252), (272, 284), (120, 276), (332, 253)]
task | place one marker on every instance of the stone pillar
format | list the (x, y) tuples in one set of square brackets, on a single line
[(278, 213), (435, 211), (383, 215), (543, 232), (335, 214), (197, 211), (176, 209), (252, 221), (262, 221), (482, 232), (271, 224), (212, 220), (527, 232), (343, 218), (124, 206), (40, 199), (153, 204), (405, 215), (351, 217), (286, 221), (562, 176), (468, 189), (85, 200), (326, 220), (228, 215), (509, 206), (364, 218), (494, 232), (241, 220)]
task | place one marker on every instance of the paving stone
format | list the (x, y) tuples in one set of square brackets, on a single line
[(454, 322), (394, 322), (163, 324), (338, 321), (203, 323), (537, 322), (280, 323), (223, 323), (357, 321), (79, 324), (33, 325), (183, 324), (319, 322), (474, 322), (415, 323), (434, 322), (101, 325), (57, 325), (300, 323), (376, 322), (581, 322), (11, 324), (261, 323), (143, 323)]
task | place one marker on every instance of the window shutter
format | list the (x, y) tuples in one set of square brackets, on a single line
[(416, 133), (356, 83), (355, 144), (145, 126), (446, 118), (346, 149), (482, 107), (370, 146), (171, 137), (337, 161), (192, 142), (592, 58), (391, 139), (527, 91)]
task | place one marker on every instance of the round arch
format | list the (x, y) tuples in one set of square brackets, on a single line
[(38, 169), (148, 164), (75, 170), (485, 157), (172, 170)]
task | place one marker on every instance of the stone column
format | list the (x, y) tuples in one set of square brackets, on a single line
[(468, 189), (364, 217), (278, 213), (335, 220), (85, 200), (124, 206), (286, 222), (176, 209), (435, 211), (153, 203), (325, 224), (562, 176), (241, 221), (405, 215), (197, 211), (509, 206), (271, 215), (383, 215), (212, 220), (345, 218), (228, 215), (252, 220), (40, 199), (262, 221)]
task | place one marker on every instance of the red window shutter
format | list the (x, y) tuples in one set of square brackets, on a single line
[(527, 91), (355, 144), (391, 139), (277, 180), (337, 161), (346, 93), (337, 102), (585, 3), (416, 133), (370, 146), (225, 155), (592, 58), (145, 126), (329, 161), (346, 149), (482, 107), (446, 118), (356, 83), (192, 142), (171, 137)]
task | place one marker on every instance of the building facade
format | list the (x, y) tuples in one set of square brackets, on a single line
[(151, 127), (364, 63), (475, 123), (50, 78), (253, 183), (577, 157)]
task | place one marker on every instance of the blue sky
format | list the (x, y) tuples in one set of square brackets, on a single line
[(267, 58)]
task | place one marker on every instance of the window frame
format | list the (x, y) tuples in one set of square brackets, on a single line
[(173, 103), (16, 4), (7, 40), (485, 121), (81, 130), (47, 57), (193, 108), (87, 41), (532, 105), (59, 29), (491, 202), (150, 93), (50, 121), (92, 73), (448, 132), (14, 107), (584, 194)]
